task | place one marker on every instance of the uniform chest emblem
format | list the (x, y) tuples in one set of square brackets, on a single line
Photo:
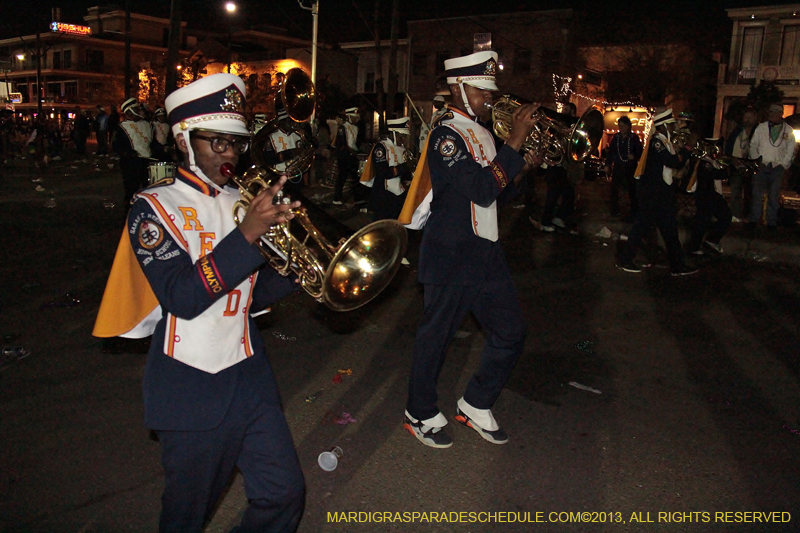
[(447, 148), (150, 235), (379, 153)]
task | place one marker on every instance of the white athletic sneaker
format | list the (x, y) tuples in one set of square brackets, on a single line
[(429, 432), (482, 421)]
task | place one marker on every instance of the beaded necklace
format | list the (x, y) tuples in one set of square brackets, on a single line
[(624, 159), (769, 134)]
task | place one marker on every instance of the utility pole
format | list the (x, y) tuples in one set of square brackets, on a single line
[(173, 46), (392, 82), (379, 69), (38, 75), (127, 49), (315, 24)]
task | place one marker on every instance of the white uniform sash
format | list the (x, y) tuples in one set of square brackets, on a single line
[(393, 157), (140, 136), (219, 337), (480, 143), (161, 132)]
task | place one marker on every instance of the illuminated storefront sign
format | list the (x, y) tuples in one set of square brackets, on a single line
[(74, 29), (638, 120), (15, 97)]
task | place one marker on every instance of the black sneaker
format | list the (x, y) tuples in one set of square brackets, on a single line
[(683, 271), (628, 266), (433, 437), (495, 437)]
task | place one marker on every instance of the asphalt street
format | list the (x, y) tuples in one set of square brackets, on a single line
[(642, 402)]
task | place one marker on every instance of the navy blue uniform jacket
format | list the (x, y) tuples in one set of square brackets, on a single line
[(450, 252), (178, 396)]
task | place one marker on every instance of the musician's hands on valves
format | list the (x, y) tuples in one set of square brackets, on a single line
[(263, 213), (522, 121)]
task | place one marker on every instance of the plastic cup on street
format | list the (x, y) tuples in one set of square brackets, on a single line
[(329, 460)]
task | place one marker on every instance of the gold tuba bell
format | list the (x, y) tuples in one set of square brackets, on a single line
[(342, 268), (554, 135)]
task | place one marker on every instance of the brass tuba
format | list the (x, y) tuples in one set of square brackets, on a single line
[(342, 268), (296, 99), (554, 135)]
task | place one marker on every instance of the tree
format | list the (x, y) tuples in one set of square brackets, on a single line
[(764, 94)]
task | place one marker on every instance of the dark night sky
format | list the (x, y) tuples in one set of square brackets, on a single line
[(345, 20)]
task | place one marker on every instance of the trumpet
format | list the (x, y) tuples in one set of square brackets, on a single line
[(748, 165), (554, 135)]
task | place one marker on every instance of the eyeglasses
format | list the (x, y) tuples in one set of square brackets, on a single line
[(221, 144)]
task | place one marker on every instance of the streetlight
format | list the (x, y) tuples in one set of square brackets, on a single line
[(230, 7)]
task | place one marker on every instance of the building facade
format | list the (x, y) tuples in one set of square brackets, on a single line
[(765, 45)]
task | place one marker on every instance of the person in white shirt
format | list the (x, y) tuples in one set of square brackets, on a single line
[(774, 142)]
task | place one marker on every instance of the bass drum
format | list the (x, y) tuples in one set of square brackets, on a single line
[(161, 170)]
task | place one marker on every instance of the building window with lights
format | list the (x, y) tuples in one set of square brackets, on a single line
[(790, 46)]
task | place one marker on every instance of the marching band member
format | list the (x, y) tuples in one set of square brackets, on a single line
[(132, 144), (346, 144), (656, 199), (162, 136), (386, 171), (457, 185), (188, 275)]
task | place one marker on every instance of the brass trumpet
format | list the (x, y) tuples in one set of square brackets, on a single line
[(554, 135)]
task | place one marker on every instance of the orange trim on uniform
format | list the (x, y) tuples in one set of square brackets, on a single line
[(173, 322), (165, 218), (248, 348), (194, 179), (463, 138)]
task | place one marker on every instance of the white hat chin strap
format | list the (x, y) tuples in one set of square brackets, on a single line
[(464, 99), (193, 165)]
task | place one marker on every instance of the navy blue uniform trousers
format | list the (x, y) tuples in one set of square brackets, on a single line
[(254, 437), (495, 305)]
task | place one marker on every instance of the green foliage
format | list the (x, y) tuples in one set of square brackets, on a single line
[(330, 98), (764, 94)]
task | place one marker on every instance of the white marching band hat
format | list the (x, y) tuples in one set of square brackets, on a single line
[(664, 117), (399, 125), (351, 111), (213, 103), (477, 70), (129, 105)]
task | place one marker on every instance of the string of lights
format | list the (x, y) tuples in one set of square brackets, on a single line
[(562, 89)]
